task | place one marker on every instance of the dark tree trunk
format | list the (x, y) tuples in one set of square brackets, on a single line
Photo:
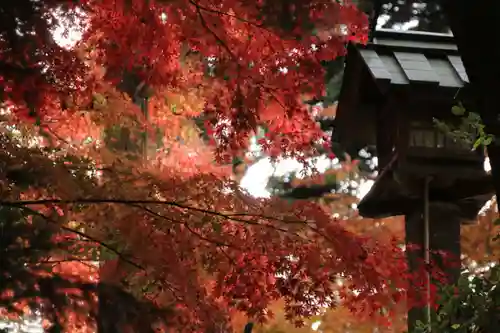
[(476, 28)]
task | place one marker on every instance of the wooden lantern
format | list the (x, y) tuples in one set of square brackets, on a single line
[(394, 89)]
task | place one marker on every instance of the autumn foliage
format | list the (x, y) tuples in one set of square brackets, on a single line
[(179, 243)]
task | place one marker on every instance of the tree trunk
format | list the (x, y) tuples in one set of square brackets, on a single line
[(473, 24)]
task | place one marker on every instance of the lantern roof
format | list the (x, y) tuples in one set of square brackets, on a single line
[(413, 57)]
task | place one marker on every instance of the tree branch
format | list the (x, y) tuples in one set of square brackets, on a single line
[(81, 234), (218, 12), (137, 203), (134, 203), (205, 25)]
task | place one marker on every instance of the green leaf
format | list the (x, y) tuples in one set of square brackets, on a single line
[(458, 110), (237, 160), (474, 117), (330, 179), (455, 326), (478, 142), (488, 140)]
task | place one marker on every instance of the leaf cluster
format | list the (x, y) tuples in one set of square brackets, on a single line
[(469, 307), (470, 128)]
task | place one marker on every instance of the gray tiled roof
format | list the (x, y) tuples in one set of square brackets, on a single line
[(403, 61)]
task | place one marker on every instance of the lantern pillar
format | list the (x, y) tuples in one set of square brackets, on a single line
[(433, 229)]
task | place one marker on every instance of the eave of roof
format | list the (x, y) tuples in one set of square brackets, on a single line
[(404, 58)]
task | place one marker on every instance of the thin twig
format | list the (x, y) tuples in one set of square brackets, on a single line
[(197, 234)]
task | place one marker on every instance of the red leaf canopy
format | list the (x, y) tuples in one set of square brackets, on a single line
[(182, 234)]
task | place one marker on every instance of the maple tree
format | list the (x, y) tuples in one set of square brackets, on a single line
[(328, 190), (88, 175)]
